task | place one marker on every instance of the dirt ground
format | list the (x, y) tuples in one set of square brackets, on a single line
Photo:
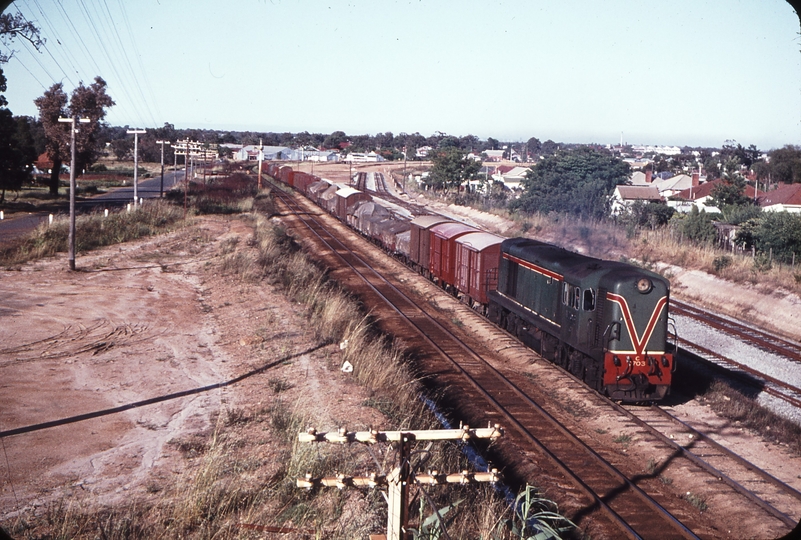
[(139, 321), (152, 318)]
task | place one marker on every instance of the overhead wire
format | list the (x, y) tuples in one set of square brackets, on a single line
[(44, 47), (127, 79), (31, 73), (53, 33), (79, 44), (136, 54)]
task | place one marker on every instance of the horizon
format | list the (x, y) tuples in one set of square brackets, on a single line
[(684, 74)]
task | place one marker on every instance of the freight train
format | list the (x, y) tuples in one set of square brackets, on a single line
[(605, 322)]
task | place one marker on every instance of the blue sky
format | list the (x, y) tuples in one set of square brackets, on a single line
[(679, 72)]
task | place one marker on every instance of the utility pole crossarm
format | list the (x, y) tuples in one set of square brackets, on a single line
[(372, 480), (463, 433)]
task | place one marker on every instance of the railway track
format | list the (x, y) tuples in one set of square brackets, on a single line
[(603, 487), (762, 489), (742, 371)]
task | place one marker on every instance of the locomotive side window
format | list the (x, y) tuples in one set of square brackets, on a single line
[(589, 300), (571, 296)]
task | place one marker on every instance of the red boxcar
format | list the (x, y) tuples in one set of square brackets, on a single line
[(287, 175), (442, 258), (419, 236), (477, 258)]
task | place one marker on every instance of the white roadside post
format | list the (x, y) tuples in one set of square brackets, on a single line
[(71, 240)]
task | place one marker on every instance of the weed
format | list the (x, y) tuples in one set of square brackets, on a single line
[(719, 263), (279, 385), (601, 431), (650, 467), (623, 438), (698, 501), (665, 480)]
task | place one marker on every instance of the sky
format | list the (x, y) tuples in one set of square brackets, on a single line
[(677, 72)]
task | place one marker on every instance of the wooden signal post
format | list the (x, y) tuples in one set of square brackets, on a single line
[(398, 480)]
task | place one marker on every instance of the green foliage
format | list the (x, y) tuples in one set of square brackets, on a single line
[(719, 263), (650, 214), (762, 263), (781, 233), (730, 192), (576, 182), (451, 168), (697, 227), (738, 214), (431, 527), (535, 518), (785, 164)]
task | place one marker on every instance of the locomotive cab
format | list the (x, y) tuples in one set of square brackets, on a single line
[(637, 366)]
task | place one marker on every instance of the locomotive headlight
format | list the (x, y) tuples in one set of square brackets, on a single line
[(644, 285)]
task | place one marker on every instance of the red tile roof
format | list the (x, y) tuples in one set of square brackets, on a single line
[(784, 194)]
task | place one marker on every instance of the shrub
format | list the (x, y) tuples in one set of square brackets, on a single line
[(719, 263)]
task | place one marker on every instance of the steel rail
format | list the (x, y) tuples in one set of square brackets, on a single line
[(697, 460), (760, 338), (680, 528)]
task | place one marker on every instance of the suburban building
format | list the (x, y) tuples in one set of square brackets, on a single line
[(625, 196), (785, 198), (251, 153)]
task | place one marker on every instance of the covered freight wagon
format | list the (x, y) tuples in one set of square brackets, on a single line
[(442, 251), (477, 258), (419, 239), (347, 197)]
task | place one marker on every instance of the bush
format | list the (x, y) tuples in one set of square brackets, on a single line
[(724, 261)]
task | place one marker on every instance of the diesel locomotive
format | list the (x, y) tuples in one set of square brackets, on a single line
[(606, 322)]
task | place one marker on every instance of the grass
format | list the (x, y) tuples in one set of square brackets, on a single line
[(229, 483), (697, 501), (93, 231)]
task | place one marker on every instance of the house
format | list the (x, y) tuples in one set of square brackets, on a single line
[(251, 153), (494, 155), (422, 152), (701, 196), (624, 196), (360, 157), (512, 177), (671, 186), (640, 178), (785, 198)]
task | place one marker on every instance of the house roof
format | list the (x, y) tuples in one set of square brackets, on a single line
[(678, 182), (787, 194), (639, 193), (705, 190)]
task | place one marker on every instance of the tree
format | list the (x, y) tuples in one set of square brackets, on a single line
[(577, 182), (697, 227), (14, 26), (13, 159), (549, 147), (451, 168), (533, 146), (785, 164), (492, 144), (730, 192), (122, 148), (86, 101)]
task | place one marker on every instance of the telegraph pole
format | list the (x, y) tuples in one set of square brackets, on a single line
[(261, 159), (136, 133), (71, 239), (398, 481), (162, 143)]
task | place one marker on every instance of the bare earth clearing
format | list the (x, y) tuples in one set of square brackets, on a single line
[(140, 321), (150, 318)]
